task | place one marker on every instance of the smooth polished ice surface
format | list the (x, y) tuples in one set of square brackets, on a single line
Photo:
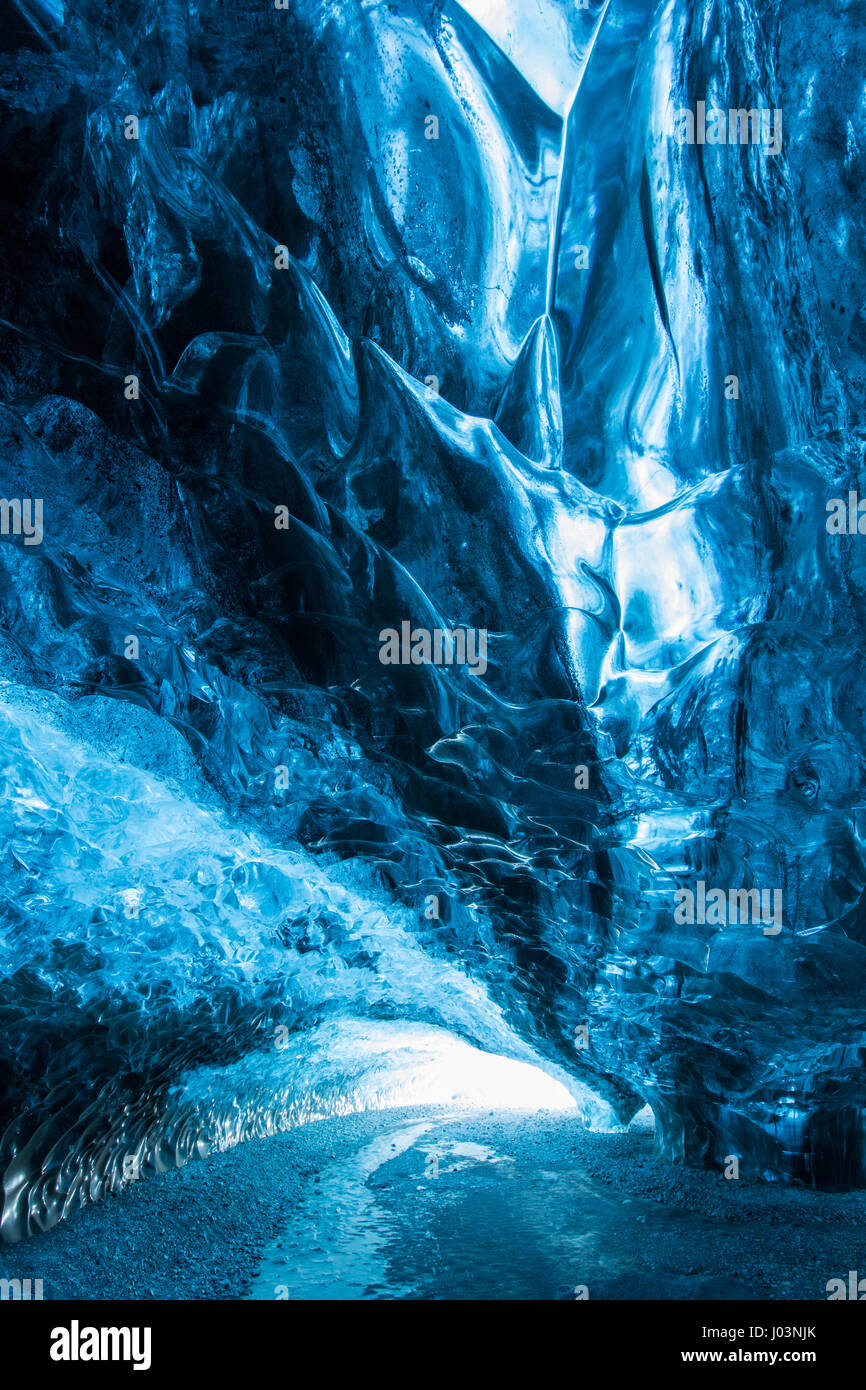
[(438, 280)]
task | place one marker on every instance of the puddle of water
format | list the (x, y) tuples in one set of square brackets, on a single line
[(423, 1213), (333, 1248), (447, 1156)]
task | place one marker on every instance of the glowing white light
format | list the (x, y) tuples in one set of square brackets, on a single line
[(430, 1067)]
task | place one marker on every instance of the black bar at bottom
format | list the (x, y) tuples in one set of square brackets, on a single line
[(236, 1341)]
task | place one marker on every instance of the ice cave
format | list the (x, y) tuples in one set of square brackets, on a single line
[(431, 609)]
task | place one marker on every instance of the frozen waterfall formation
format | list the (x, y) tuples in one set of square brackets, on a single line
[(338, 339)]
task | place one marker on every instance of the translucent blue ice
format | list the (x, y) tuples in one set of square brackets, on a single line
[(436, 285)]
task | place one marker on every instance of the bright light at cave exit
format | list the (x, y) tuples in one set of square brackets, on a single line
[(431, 1067)]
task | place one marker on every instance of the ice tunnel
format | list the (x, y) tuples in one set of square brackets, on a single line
[(432, 598)]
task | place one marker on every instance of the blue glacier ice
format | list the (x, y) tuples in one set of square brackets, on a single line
[(321, 319)]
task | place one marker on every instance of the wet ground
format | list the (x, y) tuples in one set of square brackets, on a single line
[(425, 1204)]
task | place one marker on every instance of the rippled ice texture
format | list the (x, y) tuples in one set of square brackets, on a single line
[(437, 279)]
